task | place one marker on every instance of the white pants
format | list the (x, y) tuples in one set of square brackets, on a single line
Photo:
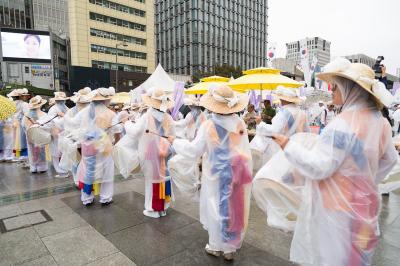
[(56, 165), (106, 193), (6, 154)]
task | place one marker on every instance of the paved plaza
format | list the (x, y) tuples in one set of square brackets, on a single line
[(43, 222)]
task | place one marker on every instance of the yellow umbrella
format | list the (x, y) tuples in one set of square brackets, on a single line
[(203, 85), (262, 79), (121, 97), (7, 108)]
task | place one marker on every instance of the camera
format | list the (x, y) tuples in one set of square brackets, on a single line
[(378, 66)]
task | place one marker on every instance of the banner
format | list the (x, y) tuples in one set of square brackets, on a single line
[(305, 61), (271, 54)]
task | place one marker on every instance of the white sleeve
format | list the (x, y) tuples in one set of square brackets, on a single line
[(278, 123), (193, 149), (135, 129), (183, 122), (387, 162), (317, 163)]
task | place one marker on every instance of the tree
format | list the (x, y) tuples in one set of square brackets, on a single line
[(223, 70)]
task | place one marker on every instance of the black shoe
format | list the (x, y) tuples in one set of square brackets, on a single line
[(89, 204), (107, 203)]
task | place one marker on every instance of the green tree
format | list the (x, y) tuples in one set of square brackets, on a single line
[(223, 70)]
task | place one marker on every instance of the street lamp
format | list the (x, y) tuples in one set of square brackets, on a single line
[(124, 44)]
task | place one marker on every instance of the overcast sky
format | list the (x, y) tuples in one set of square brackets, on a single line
[(371, 27)]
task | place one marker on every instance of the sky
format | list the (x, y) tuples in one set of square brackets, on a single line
[(370, 27)]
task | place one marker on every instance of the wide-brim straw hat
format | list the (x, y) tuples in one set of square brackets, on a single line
[(288, 95), (223, 100), (18, 92), (60, 96), (82, 96), (103, 94), (36, 102), (360, 74), (132, 106), (158, 99)]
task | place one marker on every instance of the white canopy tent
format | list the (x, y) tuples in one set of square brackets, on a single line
[(159, 79)]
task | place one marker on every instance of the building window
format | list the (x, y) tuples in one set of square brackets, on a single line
[(119, 7), (116, 36), (116, 21), (127, 68), (26, 70), (109, 50)]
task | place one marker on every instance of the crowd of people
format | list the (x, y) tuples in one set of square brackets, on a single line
[(322, 186)]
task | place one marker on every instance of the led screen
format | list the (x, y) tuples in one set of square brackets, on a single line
[(25, 46)]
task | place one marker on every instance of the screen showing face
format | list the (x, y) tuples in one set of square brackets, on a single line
[(25, 45)]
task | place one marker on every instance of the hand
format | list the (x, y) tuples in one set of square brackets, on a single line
[(60, 114), (258, 120), (171, 139), (281, 140)]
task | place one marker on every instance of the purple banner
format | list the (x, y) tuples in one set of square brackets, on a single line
[(178, 98)]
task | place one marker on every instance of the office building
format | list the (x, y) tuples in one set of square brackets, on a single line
[(196, 35), (361, 58), (317, 47), (112, 34), (16, 14), (51, 15)]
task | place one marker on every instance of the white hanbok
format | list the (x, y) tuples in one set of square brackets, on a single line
[(6, 139)]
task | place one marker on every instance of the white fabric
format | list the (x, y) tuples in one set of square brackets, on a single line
[(154, 151), (7, 139), (159, 79), (224, 145), (338, 217), (289, 120)]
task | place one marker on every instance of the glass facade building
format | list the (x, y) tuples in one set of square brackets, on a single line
[(195, 35), (51, 14), (16, 14)]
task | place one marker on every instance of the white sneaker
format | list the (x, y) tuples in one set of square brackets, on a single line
[(151, 214), (211, 252), (163, 213), (62, 175)]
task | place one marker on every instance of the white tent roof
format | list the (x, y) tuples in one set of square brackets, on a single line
[(159, 79)]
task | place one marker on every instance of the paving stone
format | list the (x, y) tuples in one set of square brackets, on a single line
[(64, 219), (16, 222), (173, 221), (41, 204), (78, 246), (10, 210), (19, 246), (35, 217), (116, 259), (144, 245), (45, 260)]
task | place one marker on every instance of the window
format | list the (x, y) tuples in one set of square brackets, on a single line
[(26, 70), (116, 21)]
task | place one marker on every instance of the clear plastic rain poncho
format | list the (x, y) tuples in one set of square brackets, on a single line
[(57, 126), (337, 222), (20, 142), (96, 132), (69, 141), (154, 152), (289, 120), (6, 139), (191, 123), (38, 155), (226, 179), (391, 183)]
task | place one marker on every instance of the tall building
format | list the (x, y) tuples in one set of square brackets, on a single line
[(51, 15), (16, 14), (361, 58), (111, 34), (317, 47), (195, 35)]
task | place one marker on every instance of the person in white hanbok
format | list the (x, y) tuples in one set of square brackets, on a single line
[(337, 222), (58, 110), (154, 151), (38, 155), (97, 126), (223, 143), (20, 145), (193, 120), (289, 120), (70, 156)]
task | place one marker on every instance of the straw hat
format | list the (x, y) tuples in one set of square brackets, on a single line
[(102, 94), (60, 96), (52, 102), (158, 99), (36, 102), (18, 92), (132, 106), (82, 96), (288, 95), (223, 100), (361, 74)]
